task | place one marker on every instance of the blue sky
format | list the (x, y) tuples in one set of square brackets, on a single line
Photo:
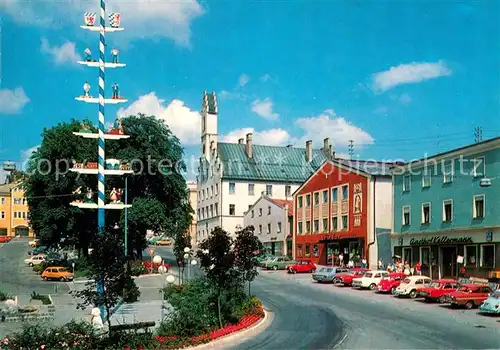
[(398, 78)]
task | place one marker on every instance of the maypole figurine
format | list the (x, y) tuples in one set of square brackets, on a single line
[(115, 53), (116, 91), (86, 88), (115, 195), (88, 54), (89, 18), (78, 195), (114, 20), (117, 128)]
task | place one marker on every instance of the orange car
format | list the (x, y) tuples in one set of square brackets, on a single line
[(57, 273)]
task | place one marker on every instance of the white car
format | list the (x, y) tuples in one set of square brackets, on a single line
[(35, 260), (369, 280), (410, 286)]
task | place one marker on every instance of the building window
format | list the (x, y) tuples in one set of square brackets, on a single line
[(300, 228), (2, 215), (253, 213), (479, 167), (299, 250), (299, 202), (308, 200), (345, 192), (470, 255), (211, 210), (448, 171), (308, 250), (406, 183), (268, 228), (24, 215), (447, 210), (15, 215), (232, 188), (2, 200), (487, 255), (325, 225), (345, 224), (316, 199), (288, 191), (260, 211), (212, 191), (260, 229), (426, 179), (216, 189), (478, 209), (269, 190), (251, 189), (315, 250), (325, 197), (335, 194), (269, 210), (308, 226), (406, 215), (216, 209), (316, 225), (232, 209), (335, 223), (279, 227), (426, 213)]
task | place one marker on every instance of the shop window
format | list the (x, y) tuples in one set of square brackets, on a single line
[(308, 227), (448, 171), (470, 258), (325, 225), (308, 200), (316, 199), (316, 225), (406, 183), (315, 250), (300, 228), (426, 213), (479, 167), (425, 256), (308, 250), (345, 224), (345, 193), (232, 209), (299, 250), (406, 215), (299, 202), (488, 255), (335, 194), (325, 197), (335, 223), (447, 210), (407, 255), (478, 207)]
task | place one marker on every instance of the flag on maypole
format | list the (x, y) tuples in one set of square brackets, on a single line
[(89, 18), (114, 20)]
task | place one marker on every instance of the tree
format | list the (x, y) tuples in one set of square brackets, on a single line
[(107, 265), (157, 189), (246, 247), (217, 260)]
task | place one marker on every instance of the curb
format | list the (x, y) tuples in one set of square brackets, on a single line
[(236, 338)]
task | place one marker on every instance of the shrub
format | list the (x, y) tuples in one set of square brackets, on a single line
[(43, 298), (5, 296), (137, 268), (39, 268), (131, 292)]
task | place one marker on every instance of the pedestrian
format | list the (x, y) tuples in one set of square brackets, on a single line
[(380, 264), (363, 264), (341, 260), (406, 269), (350, 264), (418, 268)]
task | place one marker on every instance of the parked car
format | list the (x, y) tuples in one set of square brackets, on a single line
[(328, 274), (346, 279), (437, 290), (492, 304), (5, 239), (38, 250), (301, 266), (164, 242), (411, 285), (57, 273), (278, 263), (34, 243), (369, 280), (263, 257), (469, 295), (35, 260), (389, 283)]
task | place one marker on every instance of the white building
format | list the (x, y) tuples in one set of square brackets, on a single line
[(233, 175), (272, 220)]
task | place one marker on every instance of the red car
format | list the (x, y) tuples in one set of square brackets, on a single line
[(439, 289), (469, 295), (302, 266), (345, 279), (390, 282), (4, 239)]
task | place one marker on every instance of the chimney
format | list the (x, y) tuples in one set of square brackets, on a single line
[(248, 148), (240, 141), (332, 152), (289, 146), (309, 151), (326, 147)]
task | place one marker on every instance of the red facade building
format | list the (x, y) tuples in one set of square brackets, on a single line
[(331, 215)]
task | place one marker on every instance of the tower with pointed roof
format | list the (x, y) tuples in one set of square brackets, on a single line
[(209, 126)]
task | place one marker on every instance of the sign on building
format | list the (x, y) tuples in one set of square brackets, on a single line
[(358, 204)]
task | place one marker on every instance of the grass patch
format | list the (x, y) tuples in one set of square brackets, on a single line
[(81, 273), (43, 298)]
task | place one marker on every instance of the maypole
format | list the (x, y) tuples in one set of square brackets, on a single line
[(103, 166)]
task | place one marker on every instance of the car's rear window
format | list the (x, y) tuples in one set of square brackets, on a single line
[(406, 281), (368, 274)]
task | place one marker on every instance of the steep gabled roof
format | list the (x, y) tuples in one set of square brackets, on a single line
[(268, 163), (282, 203)]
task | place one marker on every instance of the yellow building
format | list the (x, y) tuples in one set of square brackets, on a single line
[(14, 211)]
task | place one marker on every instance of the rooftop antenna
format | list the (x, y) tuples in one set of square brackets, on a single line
[(478, 134), (351, 148)]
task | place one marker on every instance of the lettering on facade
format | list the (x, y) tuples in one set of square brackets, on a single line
[(357, 204), (441, 240), (335, 237)]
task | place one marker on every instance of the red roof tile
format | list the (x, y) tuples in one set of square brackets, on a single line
[(282, 203)]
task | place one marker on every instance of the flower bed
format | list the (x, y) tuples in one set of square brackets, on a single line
[(144, 267)]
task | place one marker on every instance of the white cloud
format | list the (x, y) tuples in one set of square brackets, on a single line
[(264, 108), (338, 129), (66, 53), (12, 101), (243, 80), (184, 122), (405, 99), (410, 73), (140, 18), (265, 77), (270, 137), (228, 95), (26, 154)]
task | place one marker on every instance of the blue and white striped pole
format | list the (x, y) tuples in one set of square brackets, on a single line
[(101, 158)]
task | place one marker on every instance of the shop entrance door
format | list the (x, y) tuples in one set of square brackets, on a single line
[(332, 253), (448, 261)]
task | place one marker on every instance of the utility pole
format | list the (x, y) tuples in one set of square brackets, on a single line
[(351, 148), (478, 134)]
